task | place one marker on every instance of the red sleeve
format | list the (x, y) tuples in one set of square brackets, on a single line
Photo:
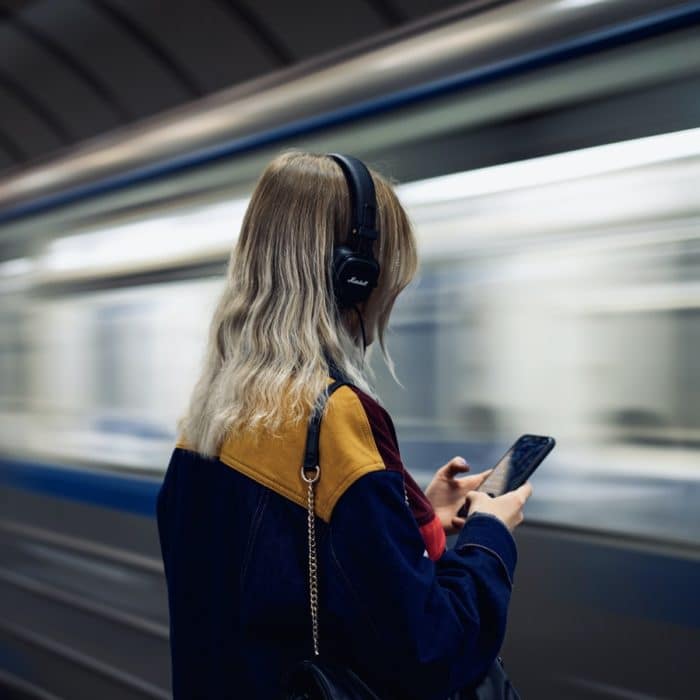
[(384, 435)]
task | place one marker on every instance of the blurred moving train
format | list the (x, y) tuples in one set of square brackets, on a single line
[(549, 155)]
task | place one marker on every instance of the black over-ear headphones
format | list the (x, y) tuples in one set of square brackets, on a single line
[(355, 270)]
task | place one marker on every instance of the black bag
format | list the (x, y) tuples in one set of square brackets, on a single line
[(313, 679)]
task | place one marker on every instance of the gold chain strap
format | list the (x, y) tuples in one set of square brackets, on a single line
[(313, 564)]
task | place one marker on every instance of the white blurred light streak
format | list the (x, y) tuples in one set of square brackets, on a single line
[(149, 241), (16, 274), (560, 167), (16, 267), (214, 228), (568, 4)]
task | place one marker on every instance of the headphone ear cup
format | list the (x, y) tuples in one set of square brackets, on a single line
[(354, 276)]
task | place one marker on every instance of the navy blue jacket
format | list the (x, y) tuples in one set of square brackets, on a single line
[(234, 544)]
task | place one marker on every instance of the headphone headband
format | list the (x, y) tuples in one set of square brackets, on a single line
[(363, 199), (355, 270)]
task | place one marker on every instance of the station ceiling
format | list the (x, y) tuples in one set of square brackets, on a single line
[(73, 69)]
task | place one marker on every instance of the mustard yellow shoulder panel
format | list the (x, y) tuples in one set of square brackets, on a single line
[(347, 450)]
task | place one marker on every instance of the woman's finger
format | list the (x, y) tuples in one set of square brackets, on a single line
[(524, 492), (470, 483), (458, 523), (484, 475), (457, 465), (473, 482)]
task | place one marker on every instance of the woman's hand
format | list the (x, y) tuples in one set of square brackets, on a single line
[(508, 507), (447, 494)]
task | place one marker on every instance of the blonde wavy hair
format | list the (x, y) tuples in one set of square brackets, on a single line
[(277, 320)]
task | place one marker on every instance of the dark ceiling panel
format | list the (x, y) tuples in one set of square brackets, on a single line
[(84, 71), (208, 41), (24, 127), (142, 34), (126, 67), (10, 151), (413, 9), (257, 28), (35, 106), (71, 69), (6, 160), (79, 110), (389, 11), (309, 27), (15, 4)]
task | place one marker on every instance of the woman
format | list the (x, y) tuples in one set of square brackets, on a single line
[(412, 619)]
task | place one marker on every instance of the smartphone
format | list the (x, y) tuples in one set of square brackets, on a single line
[(516, 466)]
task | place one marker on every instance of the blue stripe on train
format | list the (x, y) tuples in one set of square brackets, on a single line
[(132, 494), (656, 568)]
